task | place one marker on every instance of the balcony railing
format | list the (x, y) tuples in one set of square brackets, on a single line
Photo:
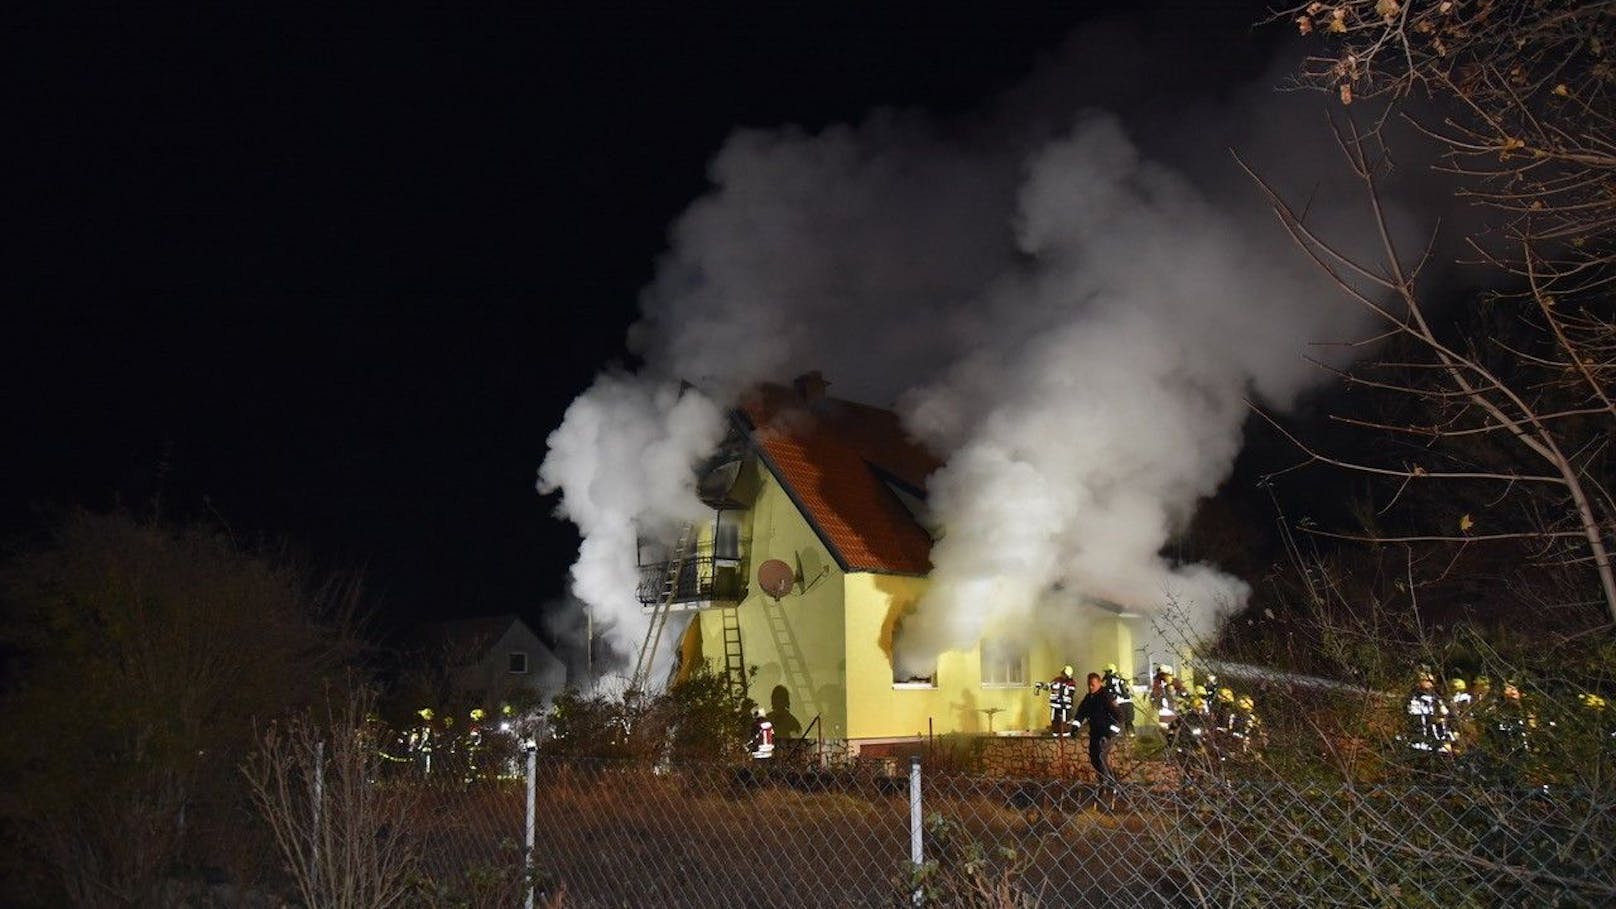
[(703, 582)]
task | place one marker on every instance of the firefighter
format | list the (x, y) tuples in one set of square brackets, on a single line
[(1099, 709), (1598, 710), (1428, 718), (1123, 693), (1463, 703), (1243, 724), (1223, 708), (1193, 744), (1164, 700), (420, 740), (1506, 727), (761, 744), (1062, 689), (474, 740)]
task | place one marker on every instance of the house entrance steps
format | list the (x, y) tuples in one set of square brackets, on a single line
[(792, 665), (734, 658), (659, 617)]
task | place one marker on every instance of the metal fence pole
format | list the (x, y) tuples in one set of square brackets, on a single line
[(527, 866), (917, 844), (319, 799)]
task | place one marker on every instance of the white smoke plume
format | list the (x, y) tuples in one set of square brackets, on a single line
[(622, 462), (1071, 324)]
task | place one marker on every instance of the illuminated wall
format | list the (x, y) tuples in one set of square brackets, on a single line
[(825, 649)]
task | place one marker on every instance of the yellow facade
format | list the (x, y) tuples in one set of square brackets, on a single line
[(824, 650)]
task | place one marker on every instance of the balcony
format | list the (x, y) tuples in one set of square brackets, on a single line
[(704, 582)]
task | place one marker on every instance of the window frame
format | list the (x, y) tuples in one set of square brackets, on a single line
[(997, 653)]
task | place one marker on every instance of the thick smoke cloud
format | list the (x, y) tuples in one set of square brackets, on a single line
[(1072, 324), (622, 462)]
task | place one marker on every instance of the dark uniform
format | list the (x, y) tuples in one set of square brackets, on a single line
[(1099, 709)]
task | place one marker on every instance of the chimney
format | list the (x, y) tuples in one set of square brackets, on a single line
[(810, 387)]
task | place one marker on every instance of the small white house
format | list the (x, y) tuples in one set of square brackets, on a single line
[(492, 656)]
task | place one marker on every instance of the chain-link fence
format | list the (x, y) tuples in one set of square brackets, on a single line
[(778, 834), (1026, 826)]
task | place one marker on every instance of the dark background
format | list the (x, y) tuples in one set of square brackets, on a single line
[(334, 279)]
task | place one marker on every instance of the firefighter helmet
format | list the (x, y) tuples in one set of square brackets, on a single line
[(1225, 695), (1591, 701), (1165, 669), (1245, 702), (477, 714), (758, 712), (1456, 684), (1066, 670), (1111, 667), (425, 713)]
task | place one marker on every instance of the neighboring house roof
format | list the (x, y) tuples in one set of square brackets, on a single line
[(482, 631), (835, 458), (470, 639)]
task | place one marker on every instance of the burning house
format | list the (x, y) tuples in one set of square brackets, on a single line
[(816, 551)]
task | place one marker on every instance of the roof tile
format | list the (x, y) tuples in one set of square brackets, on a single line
[(830, 454)]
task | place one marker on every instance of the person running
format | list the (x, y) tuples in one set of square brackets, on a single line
[(1099, 709)]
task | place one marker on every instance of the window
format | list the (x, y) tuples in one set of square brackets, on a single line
[(727, 536), (518, 661), (928, 680), (1004, 663)]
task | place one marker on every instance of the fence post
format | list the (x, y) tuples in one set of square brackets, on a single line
[(319, 799), (917, 845), (527, 862)]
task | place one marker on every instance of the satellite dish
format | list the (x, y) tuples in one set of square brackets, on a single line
[(776, 578)]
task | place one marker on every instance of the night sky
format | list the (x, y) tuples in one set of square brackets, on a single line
[(335, 280)]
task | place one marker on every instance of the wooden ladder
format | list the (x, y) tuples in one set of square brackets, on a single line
[(659, 615)]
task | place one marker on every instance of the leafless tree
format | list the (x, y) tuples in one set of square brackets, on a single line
[(142, 653), (344, 839), (1531, 424), (1525, 112), (1515, 416)]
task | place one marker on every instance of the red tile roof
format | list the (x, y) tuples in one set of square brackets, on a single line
[(830, 455)]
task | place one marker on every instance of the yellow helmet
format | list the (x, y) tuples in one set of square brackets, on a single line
[(1245, 702), (1067, 670), (424, 713), (1591, 701), (477, 714), (1198, 703), (1456, 684), (1225, 694), (1110, 667)]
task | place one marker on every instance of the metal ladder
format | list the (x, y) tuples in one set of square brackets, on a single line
[(792, 665), (734, 658), (659, 616)]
